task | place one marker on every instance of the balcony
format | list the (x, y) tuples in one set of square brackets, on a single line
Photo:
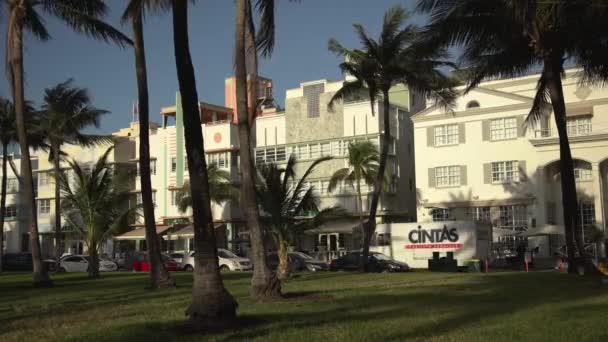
[(576, 133)]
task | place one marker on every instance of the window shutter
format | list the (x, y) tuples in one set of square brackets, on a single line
[(485, 130), (430, 136), (461, 133), (523, 177), (487, 173), (463, 175), (432, 177), (520, 126)]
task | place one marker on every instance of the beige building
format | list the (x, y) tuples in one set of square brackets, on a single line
[(481, 161), (308, 129)]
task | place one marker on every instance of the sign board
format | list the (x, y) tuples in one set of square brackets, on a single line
[(414, 243)]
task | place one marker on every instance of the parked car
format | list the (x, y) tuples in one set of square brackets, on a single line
[(23, 262), (378, 262), (178, 257), (142, 264), (80, 263), (298, 261), (227, 261)]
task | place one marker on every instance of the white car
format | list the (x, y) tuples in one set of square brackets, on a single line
[(227, 261), (80, 263)]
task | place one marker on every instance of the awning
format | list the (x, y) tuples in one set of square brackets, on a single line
[(186, 232), (140, 233), (343, 227)]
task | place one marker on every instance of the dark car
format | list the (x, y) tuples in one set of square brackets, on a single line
[(378, 262), (298, 261), (23, 262)]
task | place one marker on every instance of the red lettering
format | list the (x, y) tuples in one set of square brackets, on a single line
[(433, 245)]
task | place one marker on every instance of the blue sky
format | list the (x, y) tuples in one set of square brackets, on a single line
[(303, 29)]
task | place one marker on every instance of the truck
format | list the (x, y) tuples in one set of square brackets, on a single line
[(414, 243)]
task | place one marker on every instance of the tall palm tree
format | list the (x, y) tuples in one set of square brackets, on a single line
[(8, 135), (96, 204), (212, 305), (510, 38), (220, 189), (66, 111), (363, 160), (24, 17), (134, 13), (289, 207), (395, 57), (264, 284)]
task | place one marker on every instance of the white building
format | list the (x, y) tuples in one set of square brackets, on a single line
[(308, 129), (480, 162)]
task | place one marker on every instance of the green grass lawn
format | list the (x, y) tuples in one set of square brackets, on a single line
[(322, 306)]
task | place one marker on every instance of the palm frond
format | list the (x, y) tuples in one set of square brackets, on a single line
[(338, 176), (266, 33)]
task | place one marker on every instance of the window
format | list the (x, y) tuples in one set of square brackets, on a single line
[(582, 172), (501, 129), (514, 217), (480, 214), (586, 214), (270, 155), (139, 199), (312, 93), (44, 178), (446, 135), (173, 164), (505, 172), (447, 176), (441, 214), (383, 239), (44, 207), (12, 185), (579, 126), (473, 104), (10, 211)]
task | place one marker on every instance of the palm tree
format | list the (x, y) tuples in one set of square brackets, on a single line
[(264, 284), (510, 38), (363, 159), (8, 135), (212, 305), (23, 16), (220, 189), (134, 13), (395, 57), (289, 207), (66, 111), (95, 204)]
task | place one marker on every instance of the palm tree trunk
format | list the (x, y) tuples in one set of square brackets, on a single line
[(379, 184), (573, 230), (159, 277), (40, 275), (264, 284), (360, 205), (93, 270), (212, 305), (283, 269), (3, 199), (56, 170)]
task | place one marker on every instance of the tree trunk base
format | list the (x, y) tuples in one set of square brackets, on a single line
[(165, 283), (42, 280), (209, 313), (270, 290)]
